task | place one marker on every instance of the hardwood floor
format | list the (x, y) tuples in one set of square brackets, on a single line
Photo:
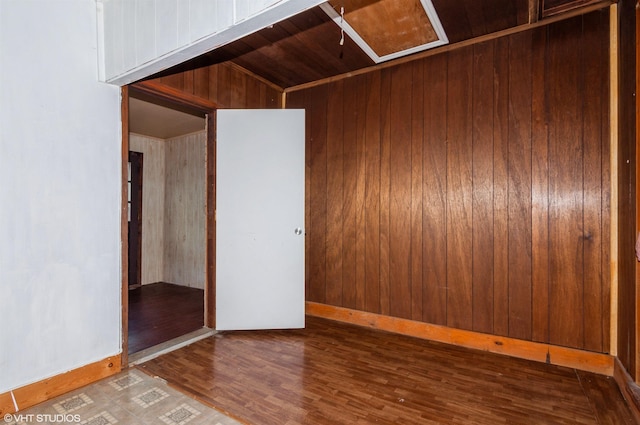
[(332, 373), (163, 311)]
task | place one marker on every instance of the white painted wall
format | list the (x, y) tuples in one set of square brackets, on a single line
[(141, 37), (59, 193)]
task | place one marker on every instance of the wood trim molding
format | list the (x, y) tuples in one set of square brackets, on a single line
[(176, 97), (637, 70), (210, 224), (629, 389), (124, 229), (32, 394), (613, 164), (544, 353)]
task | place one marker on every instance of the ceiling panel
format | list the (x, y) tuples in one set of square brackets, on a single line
[(306, 47), (388, 29), (153, 120)]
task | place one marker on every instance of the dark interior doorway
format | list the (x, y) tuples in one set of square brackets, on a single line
[(135, 218)]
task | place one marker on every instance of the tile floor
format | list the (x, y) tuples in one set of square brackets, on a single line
[(131, 397)]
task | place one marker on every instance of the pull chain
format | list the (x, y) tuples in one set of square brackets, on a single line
[(342, 25)]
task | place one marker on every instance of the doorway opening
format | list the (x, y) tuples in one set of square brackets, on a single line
[(168, 279), (134, 216)]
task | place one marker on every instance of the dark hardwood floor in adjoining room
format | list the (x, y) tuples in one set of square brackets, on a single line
[(162, 311), (334, 373)]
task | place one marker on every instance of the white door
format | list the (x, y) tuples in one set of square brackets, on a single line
[(260, 219)]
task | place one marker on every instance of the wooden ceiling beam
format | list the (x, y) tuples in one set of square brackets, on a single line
[(534, 11)]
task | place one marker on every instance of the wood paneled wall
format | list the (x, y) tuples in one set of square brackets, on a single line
[(469, 189), (185, 212), (627, 199), (226, 85), (153, 176)]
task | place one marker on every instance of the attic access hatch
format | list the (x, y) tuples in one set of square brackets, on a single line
[(388, 29)]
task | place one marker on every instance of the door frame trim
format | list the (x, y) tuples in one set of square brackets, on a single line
[(175, 99)]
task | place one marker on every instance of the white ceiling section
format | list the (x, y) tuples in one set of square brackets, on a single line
[(138, 38), (153, 120)]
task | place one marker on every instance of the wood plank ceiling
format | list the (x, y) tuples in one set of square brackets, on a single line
[(306, 47)]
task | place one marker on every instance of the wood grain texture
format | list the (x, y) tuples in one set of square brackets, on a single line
[(335, 192), (124, 236), (152, 206), (626, 170), (589, 361), (333, 373), (501, 172), (434, 192), (349, 206), (49, 388), (372, 193), (539, 194), (482, 177), (162, 311), (485, 187), (519, 186), (317, 177), (565, 188), (226, 85), (185, 213), (400, 185), (459, 190), (210, 224)]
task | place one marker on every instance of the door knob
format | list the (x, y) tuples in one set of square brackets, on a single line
[(298, 231)]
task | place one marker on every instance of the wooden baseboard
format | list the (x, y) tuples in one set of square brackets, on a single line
[(32, 394), (545, 353), (629, 389)]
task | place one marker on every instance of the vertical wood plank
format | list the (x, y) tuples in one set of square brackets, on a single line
[(350, 175), (335, 190), (482, 172), (539, 193), (594, 65), (459, 190), (361, 132), (237, 88), (500, 189), (273, 98), (223, 85), (385, 147), (566, 160), (176, 81), (434, 195), (606, 193), (254, 100), (372, 193), (468, 151), (520, 186), (417, 130), (400, 193), (213, 84), (188, 81), (201, 82), (317, 226)]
